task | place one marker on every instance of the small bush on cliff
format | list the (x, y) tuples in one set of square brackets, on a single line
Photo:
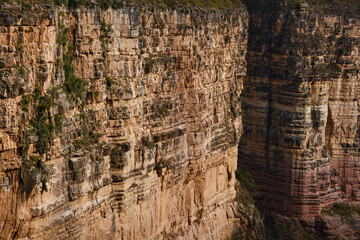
[(246, 188), (72, 85), (25, 100), (88, 139), (58, 120), (245, 180), (109, 82), (63, 33)]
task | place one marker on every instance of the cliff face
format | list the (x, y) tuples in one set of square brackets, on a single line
[(125, 124), (300, 109), (119, 124)]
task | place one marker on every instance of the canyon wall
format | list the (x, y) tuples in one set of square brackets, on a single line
[(130, 123), (120, 124), (300, 108)]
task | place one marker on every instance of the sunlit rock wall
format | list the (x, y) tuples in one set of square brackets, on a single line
[(119, 124)]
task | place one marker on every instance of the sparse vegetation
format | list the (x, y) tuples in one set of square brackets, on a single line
[(343, 210), (19, 47), (63, 33), (342, 7), (109, 82), (22, 72), (73, 85), (288, 231), (245, 180), (92, 95), (25, 100), (88, 139), (58, 120), (105, 4), (41, 126), (253, 227)]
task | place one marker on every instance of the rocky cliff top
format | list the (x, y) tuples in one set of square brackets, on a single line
[(116, 4)]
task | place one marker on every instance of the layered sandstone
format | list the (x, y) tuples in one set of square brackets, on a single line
[(120, 124), (300, 109)]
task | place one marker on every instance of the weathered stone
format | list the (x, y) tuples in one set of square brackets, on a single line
[(150, 153), (300, 110)]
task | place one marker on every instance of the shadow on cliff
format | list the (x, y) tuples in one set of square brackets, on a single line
[(249, 223)]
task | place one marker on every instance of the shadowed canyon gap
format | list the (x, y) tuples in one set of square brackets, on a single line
[(130, 123)]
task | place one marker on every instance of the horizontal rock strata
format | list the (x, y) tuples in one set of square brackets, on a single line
[(300, 109), (119, 124)]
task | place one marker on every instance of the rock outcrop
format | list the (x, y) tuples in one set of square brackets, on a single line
[(119, 124), (300, 108)]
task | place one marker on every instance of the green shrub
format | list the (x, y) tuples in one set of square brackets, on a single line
[(92, 95), (44, 105), (25, 101), (25, 143), (44, 133), (36, 94), (103, 27), (63, 33), (22, 72), (109, 82), (72, 84), (245, 180), (58, 121), (88, 139), (19, 47)]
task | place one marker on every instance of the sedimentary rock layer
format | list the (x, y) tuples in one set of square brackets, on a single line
[(300, 109), (119, 124)]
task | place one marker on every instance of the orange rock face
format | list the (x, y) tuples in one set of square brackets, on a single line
[(119, 124), (300, 110)]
